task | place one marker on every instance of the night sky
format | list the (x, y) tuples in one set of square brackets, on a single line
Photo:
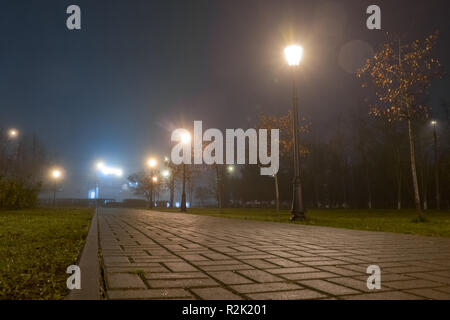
[(115, 89)]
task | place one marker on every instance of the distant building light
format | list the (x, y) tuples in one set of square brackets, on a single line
[(177, 204), (92, 194), (188, 205), (167, 205)]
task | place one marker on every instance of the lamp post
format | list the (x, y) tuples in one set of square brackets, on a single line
[(185, 138), (172, 180), (56, 175), (436, 166), (293, 56), (152, 163)]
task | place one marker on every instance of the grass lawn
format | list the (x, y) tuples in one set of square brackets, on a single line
[(403, 221), (36, 247)]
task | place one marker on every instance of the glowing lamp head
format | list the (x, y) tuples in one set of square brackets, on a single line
[(434, 122), (100, 165), (56, 174), (155, 179), (230, 168), (166, 173), (152, 163), (185, 137), (13, 133), (293, 54)]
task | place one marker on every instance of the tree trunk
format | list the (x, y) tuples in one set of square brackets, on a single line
[(369, 189), (424, 186), (218, 188), (399, 180), (172, 190), (413, 169)]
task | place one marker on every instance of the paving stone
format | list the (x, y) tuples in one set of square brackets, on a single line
[(304, 294), (260, 276), (193, 257), (261, 264), (229, 277), (124, 280), (216, 293), (115, 260), (180, 266), (216, 262), (149, 294), (308, 275), (232, 267), (291, 270), (175, 275), (430, 294), (391, 295), (283, 262), (444, 289), (340, 271), (150, 267), (181, 283), (408, 284), (429, 276), (356, 284), (328, 287), (323, 263), (265, 287)]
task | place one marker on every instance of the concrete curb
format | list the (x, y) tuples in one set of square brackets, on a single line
[(89, 265)]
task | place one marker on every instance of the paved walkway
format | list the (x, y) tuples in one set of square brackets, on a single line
[(155, 255)]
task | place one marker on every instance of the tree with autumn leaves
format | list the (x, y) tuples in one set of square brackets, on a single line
[(401, 75)]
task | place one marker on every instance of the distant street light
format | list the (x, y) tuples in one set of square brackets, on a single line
[(104, 169), (185, 138), (230, 169), (436, 165), (56, 175), (165, 173), (152, 163), (13, 133), (293, 56)]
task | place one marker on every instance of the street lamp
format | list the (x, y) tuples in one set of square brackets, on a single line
[(185, 138), (107, 171), (436, 165), (293, 54), (152, 163), (230, 169), (13, 133), (165, 173), (56, 175)]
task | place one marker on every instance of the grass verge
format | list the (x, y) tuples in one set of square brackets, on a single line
[(437, 224), (36, 247)]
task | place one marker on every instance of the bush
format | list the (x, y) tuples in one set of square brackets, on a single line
[(15, 195)]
